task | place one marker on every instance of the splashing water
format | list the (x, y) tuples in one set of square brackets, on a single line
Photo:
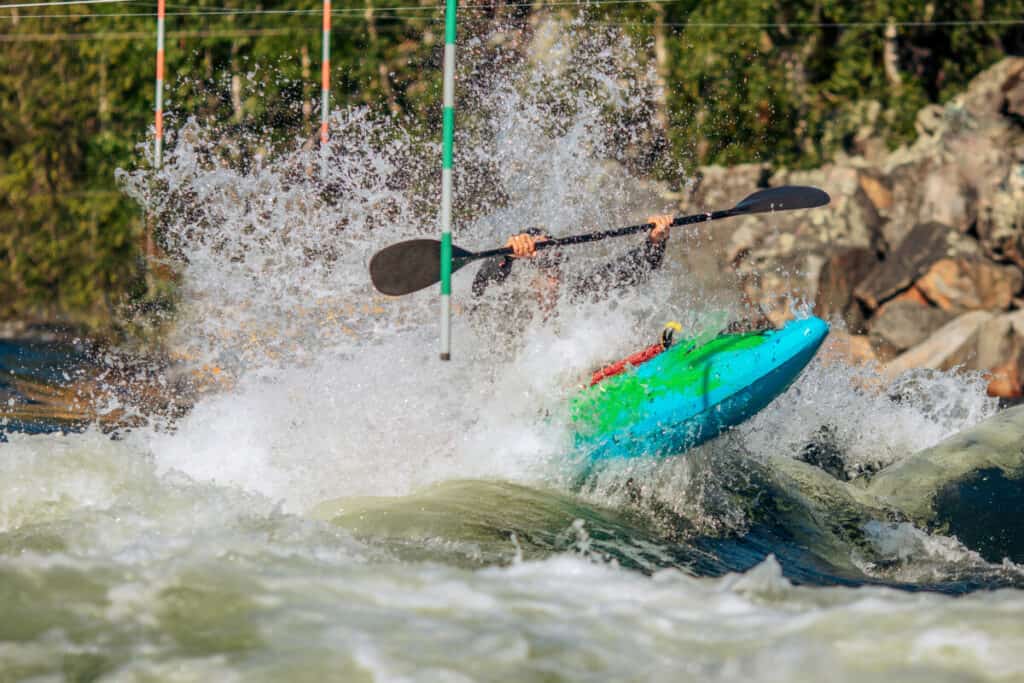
[(248, 538), (336, 390)]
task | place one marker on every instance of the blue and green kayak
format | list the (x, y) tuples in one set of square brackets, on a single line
[(686, 396)]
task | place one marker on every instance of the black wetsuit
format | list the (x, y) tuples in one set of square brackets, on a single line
[(630, 269)]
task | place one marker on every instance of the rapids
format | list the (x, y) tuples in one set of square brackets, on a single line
[(341, 505)]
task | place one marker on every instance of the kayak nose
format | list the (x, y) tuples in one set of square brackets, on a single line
[(799, 340), (813, 330)]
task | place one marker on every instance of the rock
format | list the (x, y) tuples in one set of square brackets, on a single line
[(955, 343), (933, 189), (954, 169), (959, 284), (1013, 89), (851, 220), (851, 349), (1001, 354), (903, 323), (877, 190), (718, 187), (968, 486), (1001, 216), (986, 94), (840, 274), (867, 142), (925, 244), (1000, 338), (929, 119), (947, 196), (1004, 382)]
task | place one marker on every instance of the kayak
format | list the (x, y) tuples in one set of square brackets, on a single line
[(685, 396)]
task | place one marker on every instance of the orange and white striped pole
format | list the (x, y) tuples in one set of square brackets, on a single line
[(325, 77), (159, 143)]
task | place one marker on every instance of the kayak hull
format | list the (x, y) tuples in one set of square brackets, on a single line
[(685, 397)]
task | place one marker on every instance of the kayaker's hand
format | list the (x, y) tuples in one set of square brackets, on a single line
[(524, 245), (662, 226)]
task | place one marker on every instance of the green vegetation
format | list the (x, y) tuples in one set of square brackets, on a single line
[(783, 82)]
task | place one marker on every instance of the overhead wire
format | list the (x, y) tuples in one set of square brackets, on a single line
[(122, 15), (21, 5), (145, 35), (816, 24), (419, 12), (219, 12), (380, 12)]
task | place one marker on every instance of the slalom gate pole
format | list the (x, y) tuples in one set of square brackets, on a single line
[(446, 179), (325, 86), (159, 116)]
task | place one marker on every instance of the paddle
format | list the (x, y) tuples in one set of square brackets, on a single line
[(409, 266)]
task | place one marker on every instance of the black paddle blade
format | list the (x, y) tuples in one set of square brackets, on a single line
[(783, 198), (412, 265)]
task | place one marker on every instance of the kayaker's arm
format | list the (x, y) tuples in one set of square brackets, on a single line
[(493, 271), (632, 268), (496, 270)]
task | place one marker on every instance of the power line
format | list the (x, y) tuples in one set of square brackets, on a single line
[(69, 2), (817, 24), (223, 13), (342, 11), (398, 12), (145, 35), (377, 14)]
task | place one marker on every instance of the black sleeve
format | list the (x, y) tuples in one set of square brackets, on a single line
[(628, 270), (493, 271)]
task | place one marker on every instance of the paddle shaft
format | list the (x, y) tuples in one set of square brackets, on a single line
[(617, 232), (409, 266)]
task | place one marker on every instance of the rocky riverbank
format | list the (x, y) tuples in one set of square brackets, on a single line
[(920, 256)]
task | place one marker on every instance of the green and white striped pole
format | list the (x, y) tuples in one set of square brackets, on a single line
[(446, 180)]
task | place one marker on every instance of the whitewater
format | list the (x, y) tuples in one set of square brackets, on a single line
[(334, 503)]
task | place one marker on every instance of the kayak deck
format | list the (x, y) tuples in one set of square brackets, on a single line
[(683, 397)]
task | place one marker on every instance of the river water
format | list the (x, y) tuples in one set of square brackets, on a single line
[(339, 505)]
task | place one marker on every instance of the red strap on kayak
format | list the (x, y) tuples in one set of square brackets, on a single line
[(628, 362)]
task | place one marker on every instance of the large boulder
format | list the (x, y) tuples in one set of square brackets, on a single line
[(925, 244), (877, 188), (953, 344), (1013, 90), (987, 95), (840, 274), (1001, 216), (968, 486), (956, 167), (1000, 353), (932, 189), (904, 322), (961, 284)]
